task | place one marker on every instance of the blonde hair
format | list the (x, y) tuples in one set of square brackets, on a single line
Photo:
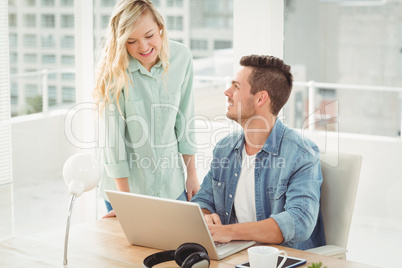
[(112, 75)]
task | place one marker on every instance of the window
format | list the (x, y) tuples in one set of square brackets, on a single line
[(222, 44), (105, 21), (30, 70), (31, 90), (13, 57), (108, 3), (49, 59), (48, 21), (341, 46), (14, 93), (179, 23), (67, 21), (67, 60), (69, 3), (52, 76), (213, 6), (13, 40), (175, 3), (199, 44), (30, 3), (48, 41), (214, 22), (67, 41), (29, 40), (174, 23), (68, 94), (44, 28), (47, 3), (29, 20), (52, 93), (170, 22), (67, 76), (30, 58), (12, 20)]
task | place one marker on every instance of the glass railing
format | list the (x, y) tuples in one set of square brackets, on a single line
[(320, 109), (37, 91)]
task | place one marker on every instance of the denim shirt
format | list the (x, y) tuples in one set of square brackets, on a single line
[(287, 184)]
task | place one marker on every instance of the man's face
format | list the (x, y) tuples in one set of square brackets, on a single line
[(240, 100)]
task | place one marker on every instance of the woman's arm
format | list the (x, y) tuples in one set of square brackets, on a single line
[(122, 184)]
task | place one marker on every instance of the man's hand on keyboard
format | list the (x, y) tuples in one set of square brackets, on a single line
[(220, 233)]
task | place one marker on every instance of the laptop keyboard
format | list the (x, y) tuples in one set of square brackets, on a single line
[(219, 245)]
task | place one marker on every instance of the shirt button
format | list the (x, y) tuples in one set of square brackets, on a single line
[(219, 184), (227, 214), (230, 196), (235, 174)]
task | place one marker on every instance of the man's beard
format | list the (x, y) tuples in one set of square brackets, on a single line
[(243, 113)]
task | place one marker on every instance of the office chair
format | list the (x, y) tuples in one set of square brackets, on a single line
[(341, 174)]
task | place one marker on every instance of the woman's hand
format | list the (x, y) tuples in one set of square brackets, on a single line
[(192, 186), (109, 215)]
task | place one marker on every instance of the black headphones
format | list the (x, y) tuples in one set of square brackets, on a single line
[(186, 256)]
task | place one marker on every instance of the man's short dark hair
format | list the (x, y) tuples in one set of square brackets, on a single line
[(272, 75)]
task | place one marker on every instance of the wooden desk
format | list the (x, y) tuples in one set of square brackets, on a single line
[(103, 244)]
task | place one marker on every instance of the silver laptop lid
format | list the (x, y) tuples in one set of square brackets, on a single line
[(161, 223)]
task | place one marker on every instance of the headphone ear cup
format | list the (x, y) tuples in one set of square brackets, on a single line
[(200, 259), (186, 250)]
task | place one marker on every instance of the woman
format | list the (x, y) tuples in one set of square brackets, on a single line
[(143, 89)]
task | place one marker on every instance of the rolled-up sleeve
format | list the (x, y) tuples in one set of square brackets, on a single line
[(299, 218), (204, 197)]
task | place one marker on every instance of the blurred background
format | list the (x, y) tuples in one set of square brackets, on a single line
[(346, 58)]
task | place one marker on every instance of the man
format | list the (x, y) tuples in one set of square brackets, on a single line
[(264, 182)]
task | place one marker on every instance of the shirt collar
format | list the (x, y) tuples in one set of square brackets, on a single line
[(135, 65), (275, 138), (272, 143)]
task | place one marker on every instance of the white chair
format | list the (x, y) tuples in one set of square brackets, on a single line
[(341, 174)]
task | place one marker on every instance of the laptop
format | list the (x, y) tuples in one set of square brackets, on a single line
[(166, 224)]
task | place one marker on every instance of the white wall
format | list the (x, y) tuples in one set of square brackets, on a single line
[(40, 148), (39, 145)]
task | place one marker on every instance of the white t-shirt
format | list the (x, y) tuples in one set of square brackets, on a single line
[(244, 202)]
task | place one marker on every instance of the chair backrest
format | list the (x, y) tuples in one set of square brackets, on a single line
[(338, 192)]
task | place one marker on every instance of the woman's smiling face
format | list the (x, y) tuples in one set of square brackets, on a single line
[(145, 43)]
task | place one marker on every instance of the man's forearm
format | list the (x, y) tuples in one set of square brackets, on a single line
[(265, 231)]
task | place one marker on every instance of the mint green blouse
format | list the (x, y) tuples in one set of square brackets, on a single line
[(146, 142)]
